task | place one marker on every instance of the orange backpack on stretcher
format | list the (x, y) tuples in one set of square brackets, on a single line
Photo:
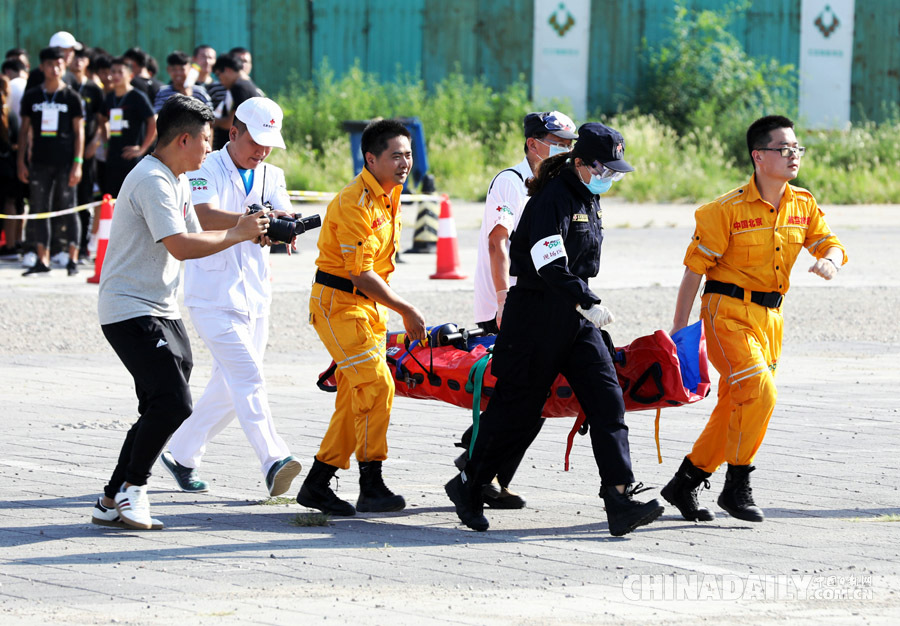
[(655, 372)]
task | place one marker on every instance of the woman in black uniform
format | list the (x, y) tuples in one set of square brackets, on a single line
[(551, 326)]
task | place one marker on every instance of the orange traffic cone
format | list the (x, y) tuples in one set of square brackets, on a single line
[(447, 252), (106, 213)]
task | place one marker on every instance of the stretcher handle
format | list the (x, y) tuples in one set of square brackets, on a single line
[(433, 379), (654, 372)]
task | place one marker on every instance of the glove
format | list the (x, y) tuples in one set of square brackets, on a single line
[(598, 315), (501, 302)]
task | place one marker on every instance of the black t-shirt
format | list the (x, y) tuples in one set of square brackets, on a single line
[(242, 89), (55, 143), (135, 111), (149, 86), (92, 104)]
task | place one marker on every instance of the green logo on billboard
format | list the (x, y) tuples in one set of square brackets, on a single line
[(827, 22), (561, 20)]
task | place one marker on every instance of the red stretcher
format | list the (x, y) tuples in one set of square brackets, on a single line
[(655, 372)]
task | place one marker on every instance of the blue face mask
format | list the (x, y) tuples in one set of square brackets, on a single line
[(597, 185), (555, 149)]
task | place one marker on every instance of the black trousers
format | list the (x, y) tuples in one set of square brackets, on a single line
[(542, 337), (506, 472), (157, 354), (50, 191)]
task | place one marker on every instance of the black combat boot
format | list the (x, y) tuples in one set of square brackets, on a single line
[(624, 513), (469, 505), (316, 494), (682, 490), (374, 496), (737, 496)]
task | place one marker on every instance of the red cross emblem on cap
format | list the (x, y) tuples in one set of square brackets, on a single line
[(272, 122)]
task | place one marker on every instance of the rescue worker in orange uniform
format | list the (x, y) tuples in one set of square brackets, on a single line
[(348, 308), (746, 243)]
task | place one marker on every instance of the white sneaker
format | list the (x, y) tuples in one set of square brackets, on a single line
[(109, 516), (29, 259), (134, 507)]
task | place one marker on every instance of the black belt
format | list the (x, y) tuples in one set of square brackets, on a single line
[(771, 299), (336, 282)]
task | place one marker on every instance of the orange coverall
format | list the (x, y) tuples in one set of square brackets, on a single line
[(360, 232), (741, 239)]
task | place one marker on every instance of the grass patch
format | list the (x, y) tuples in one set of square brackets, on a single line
[(307, 520), (472, 131), (280, 500)]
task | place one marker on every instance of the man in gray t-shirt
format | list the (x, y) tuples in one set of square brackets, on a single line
[(140, 276), (154, 228)]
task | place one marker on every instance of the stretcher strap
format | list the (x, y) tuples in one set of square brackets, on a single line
[(473, 386), (656, 435), (578, 422)]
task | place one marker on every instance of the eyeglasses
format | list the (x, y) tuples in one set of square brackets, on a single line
[(787, 151), (598, 169), (559, 146)]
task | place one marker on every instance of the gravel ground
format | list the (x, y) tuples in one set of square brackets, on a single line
[(638, 282)]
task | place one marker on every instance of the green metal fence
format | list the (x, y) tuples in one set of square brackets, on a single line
[(431, 38)]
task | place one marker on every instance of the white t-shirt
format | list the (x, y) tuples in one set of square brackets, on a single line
[(16, 89), (139, 275), (237, 278), (502, 208)]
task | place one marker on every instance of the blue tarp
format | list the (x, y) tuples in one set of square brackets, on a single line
[(687, 341)]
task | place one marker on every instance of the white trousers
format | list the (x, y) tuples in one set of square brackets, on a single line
[(236, 389)]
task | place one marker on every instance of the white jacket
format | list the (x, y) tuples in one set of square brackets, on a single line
[(237, 278)]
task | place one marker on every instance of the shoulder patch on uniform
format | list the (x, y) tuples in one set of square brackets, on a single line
[(735, 195), (806, 194)]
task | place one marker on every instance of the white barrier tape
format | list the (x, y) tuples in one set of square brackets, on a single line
[(312, 196), (44, 216)]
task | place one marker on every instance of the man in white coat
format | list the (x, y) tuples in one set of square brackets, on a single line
[(228, 295)]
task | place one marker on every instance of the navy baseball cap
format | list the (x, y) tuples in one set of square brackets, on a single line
[(599, 143), (552, 122)]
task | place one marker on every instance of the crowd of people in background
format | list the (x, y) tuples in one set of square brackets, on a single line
[(75, 125)]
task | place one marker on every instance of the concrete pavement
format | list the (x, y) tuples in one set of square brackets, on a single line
[(827, 480)]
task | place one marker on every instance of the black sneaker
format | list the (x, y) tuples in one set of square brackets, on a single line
[(37, 268), (72, 268), (186, 477)]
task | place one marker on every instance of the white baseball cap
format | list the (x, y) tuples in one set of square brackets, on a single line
[(64, 39), (263, 119)]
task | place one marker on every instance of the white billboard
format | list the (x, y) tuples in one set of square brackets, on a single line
[(560, 53), (826, 60)]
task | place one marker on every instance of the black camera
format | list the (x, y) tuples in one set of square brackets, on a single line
[(284, 229)]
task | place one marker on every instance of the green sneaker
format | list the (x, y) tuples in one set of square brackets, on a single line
[(280, 475), (186, 477)]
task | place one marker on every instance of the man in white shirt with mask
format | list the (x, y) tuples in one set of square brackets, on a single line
[(546, 134), (228, 295)]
